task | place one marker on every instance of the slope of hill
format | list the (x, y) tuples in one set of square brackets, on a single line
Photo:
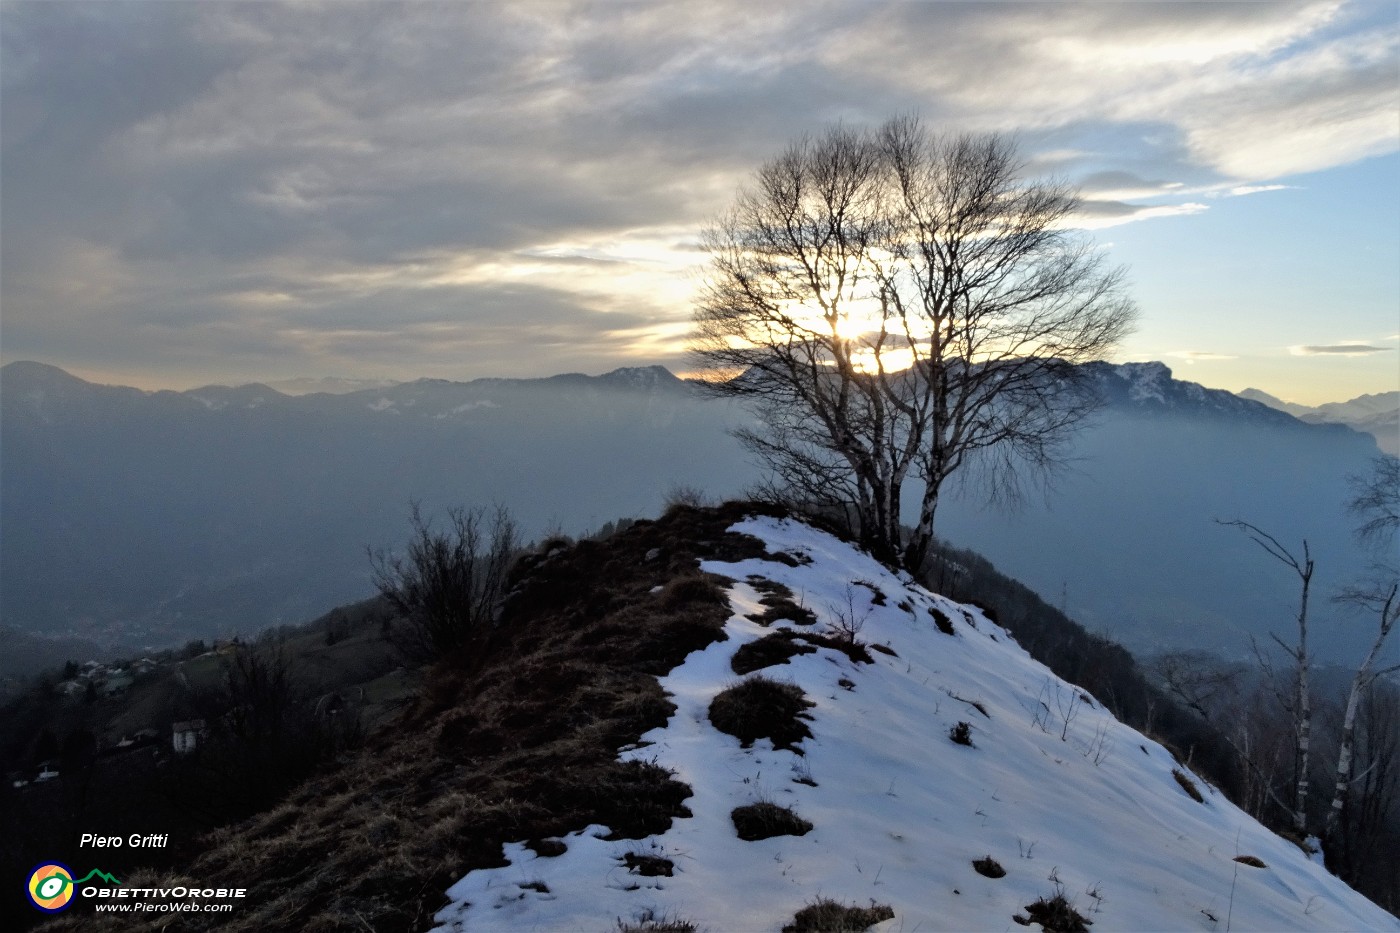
[(591, 762), (910, 767)]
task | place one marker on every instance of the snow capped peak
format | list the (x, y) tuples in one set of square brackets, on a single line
[(946, 781), (1151, 386), (1147, 381), (1151, 371)]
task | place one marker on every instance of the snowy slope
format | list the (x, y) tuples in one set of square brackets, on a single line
[(1065, 798)]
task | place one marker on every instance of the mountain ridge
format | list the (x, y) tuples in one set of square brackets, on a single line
[(1376, 414), (1146, 384), (148, 518)]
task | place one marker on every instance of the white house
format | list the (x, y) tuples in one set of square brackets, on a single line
[(185, 735)]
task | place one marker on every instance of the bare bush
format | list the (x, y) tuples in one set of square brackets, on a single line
[(447, 585)]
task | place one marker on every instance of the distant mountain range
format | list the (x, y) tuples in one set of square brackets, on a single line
[(1377, 415), (138, 518), (330, 385), (1127, 542)]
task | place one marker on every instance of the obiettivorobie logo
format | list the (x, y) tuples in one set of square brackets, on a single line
[(51, 886)]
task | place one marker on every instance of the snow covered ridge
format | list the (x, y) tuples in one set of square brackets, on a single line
[(944, 750)]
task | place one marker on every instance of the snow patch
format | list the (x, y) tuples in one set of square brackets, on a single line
[(1060, 794)]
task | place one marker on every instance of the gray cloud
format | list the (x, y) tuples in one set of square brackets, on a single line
[(319, 188), (1337, 349)]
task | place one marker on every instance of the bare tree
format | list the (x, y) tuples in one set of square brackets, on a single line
[(1376, 501), (446, 587), (1368, 847), (1223, 695), (1299, 704), (1387, 610), (898, 305)]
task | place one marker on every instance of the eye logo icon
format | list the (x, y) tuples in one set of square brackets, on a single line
[(51, 886)]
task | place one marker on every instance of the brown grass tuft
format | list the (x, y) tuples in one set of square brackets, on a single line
[(648, 921), (828, 916), (760, 708), (764, 820), (1188, 785), (989, 867), (1057, 915)]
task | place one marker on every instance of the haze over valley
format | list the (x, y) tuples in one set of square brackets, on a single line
[(136, 520)]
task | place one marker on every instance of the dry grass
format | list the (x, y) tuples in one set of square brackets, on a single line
[(961, 733), (941, 620), (765, 819), (777, 647), (1055, 915), (828, 916), (778, 604), (773, 648), (989, 867), (650, 922), (519, 745), (1188, 785), (760, 708), (651, 866)]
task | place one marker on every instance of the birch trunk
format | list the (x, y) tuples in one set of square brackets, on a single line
[(1363, 679)]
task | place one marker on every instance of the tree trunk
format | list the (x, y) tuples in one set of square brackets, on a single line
[(1363, 679), (1303, 707), (1344, 757)]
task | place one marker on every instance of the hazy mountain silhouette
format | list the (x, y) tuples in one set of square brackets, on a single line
[(1377, 415), (151, 517)]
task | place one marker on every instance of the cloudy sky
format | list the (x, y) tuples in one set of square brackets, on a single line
[(229, 191)]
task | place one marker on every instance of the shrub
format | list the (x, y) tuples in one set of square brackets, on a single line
[(682, 496), (760, 708), (648, 922), (961, 733), (763, 820), (1251, 860), (989, 867), (940, 619), (446, 588), (1056, 915), (554, 543), (827, 916), (849, 623)]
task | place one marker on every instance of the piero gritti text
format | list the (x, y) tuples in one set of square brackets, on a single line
[(134, 841)]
